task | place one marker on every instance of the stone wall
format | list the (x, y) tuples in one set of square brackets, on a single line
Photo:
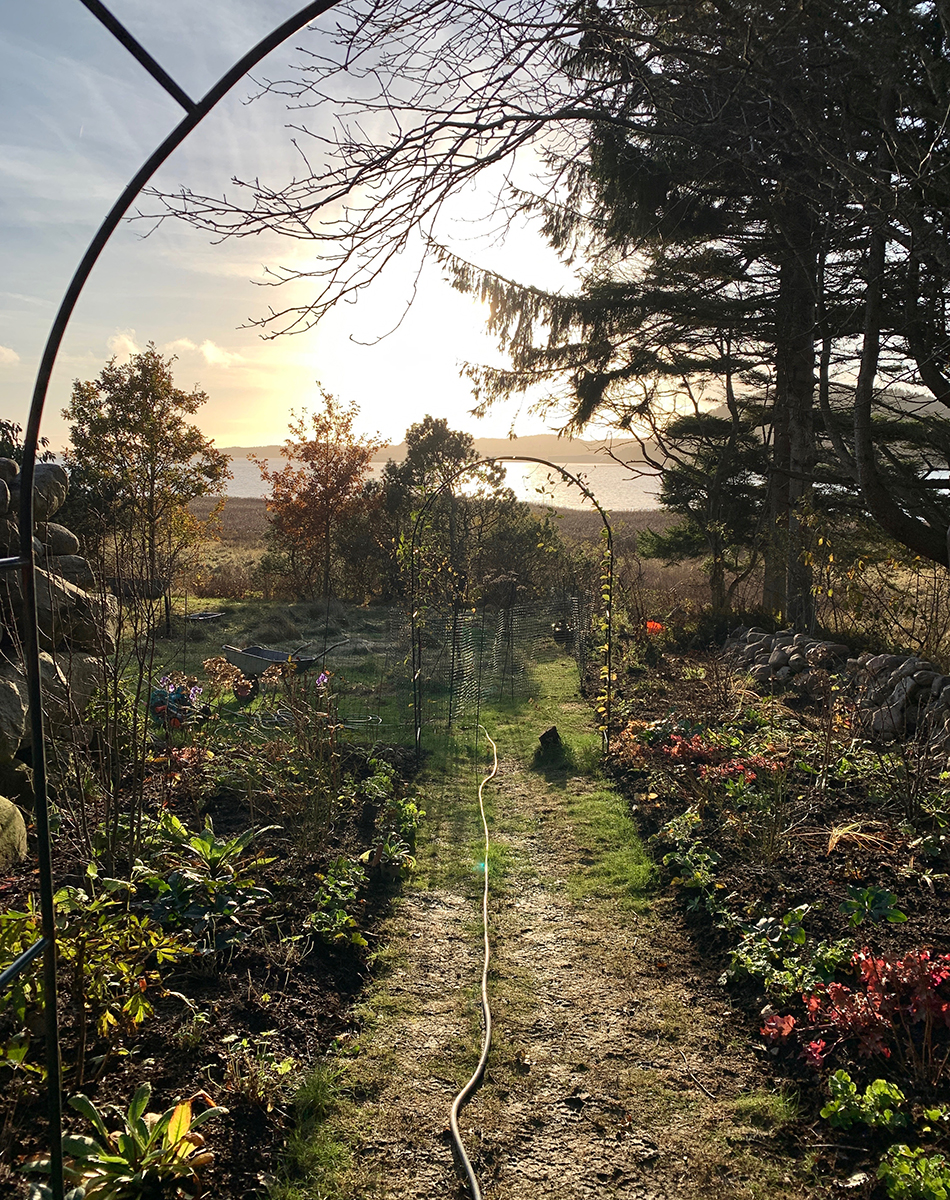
[(76, 624), (895, 695)]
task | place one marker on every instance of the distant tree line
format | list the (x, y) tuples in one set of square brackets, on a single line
[(441, 522)]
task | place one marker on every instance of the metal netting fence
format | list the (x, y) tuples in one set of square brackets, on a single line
[(428, 674), (466, 659)]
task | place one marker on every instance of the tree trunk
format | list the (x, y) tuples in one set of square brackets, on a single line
[(788, 579), (918, 536), (717, 582), (773, 585)]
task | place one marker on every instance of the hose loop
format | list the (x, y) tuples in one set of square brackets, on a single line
[(476, 1078)]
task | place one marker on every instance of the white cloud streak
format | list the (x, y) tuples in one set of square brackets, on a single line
[(122, 344), (215, 356)]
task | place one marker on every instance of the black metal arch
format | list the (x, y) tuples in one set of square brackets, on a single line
[(25, 562), (574, 481)]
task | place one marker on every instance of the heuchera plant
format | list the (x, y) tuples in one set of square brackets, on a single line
[(900, 1006), (693, 749), (747, 769)]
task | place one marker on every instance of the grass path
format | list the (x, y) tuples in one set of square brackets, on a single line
[(616, 1068)]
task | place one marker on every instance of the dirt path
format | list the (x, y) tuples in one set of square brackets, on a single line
[(615, 1069)]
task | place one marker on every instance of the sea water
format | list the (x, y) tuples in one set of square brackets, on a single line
[(616, 487)]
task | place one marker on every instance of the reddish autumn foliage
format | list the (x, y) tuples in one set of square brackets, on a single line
[(694, 749), (319, 493), (777, 1028), (748, 768), (900, 1005)]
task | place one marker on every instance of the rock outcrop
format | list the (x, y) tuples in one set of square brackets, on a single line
[(12, 834)]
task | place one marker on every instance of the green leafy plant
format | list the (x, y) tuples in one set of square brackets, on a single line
[(776, 951), (878, 1107), (109, 960), (379, 785), (682, 829), (695, 871), (912, 1174), (210, 911), (217, 857), (110, 956), (403, 816), (871, 903), (190, 1033), (253, 1070), (388, 861), (207, 897), (151, 1154), (21, 999), (333, 917)]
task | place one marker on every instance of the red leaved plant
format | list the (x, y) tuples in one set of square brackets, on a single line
[(899, 1006), (694, 749), (748, 768)]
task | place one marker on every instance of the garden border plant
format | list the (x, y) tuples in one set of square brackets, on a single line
[(722, 770)]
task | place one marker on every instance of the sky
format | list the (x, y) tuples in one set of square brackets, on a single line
[(78, 116)]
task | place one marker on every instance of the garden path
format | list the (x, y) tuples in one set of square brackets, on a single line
[(616, 1069)]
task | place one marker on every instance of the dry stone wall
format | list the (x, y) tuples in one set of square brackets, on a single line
[(895, 695), (76, 624)]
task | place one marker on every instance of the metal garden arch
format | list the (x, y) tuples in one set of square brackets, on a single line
[(608, 589), (24, 562)]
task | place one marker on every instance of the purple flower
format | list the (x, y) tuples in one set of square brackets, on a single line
[(322, 679)]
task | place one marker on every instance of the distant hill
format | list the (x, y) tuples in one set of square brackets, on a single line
[(545, 445)]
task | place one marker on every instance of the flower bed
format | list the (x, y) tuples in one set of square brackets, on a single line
[(815, 863)]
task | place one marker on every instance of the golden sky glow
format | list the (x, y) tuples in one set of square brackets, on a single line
[(80, 117)]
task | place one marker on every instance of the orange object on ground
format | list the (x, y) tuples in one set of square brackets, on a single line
[(654, 627)]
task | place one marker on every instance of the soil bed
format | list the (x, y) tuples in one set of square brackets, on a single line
[(240, 1025)]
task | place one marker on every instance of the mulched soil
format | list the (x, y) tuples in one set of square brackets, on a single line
[(302, 995), (848, 833), (845, 834)]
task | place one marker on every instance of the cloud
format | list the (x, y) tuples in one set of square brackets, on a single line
[(214, 356), (8, 357), (123, 344), (179, 345)]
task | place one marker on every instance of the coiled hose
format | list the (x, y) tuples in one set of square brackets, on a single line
[(473, 1083)]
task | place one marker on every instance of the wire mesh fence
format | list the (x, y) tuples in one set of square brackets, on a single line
[(466, 659), (435, 671)]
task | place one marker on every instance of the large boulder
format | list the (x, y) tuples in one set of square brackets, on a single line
[(16, 784), (67, 615), (74, 568), (14, 703), (50, 485), (10, 538), (12, 835), (56, 700), (57, 539), (82, 674)]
